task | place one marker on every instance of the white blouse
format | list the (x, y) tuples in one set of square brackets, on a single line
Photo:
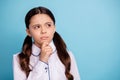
[(54, 70)]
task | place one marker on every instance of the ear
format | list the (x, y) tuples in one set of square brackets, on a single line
[(28, 32)]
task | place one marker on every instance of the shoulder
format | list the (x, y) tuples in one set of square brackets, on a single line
[(71, 54), (15, 56)]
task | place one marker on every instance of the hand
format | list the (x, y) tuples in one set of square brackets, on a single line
[(46, 51)]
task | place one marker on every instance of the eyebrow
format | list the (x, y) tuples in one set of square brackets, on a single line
[(35, 25), (49, 22), (44, 23)]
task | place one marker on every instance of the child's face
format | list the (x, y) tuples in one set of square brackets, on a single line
[(41, 29)]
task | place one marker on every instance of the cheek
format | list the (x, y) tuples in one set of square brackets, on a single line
[(52, 33), (34, 35)]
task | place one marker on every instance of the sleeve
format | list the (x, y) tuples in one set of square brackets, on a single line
[(18, 74), (74, 69), (39, 72)]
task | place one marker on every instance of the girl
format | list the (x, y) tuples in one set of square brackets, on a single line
[(44, 55)]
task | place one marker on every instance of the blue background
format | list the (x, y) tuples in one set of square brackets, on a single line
[(90, 28)]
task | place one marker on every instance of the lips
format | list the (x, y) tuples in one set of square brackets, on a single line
[(44, 37)]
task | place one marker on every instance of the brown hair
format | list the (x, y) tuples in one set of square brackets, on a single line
[(62, 53)]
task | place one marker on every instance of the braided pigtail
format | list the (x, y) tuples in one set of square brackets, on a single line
[(24, 56), (63, 54)]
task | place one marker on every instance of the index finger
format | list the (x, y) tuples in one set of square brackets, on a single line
[(45, 44)]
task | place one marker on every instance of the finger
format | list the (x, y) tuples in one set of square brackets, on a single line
[(48, 47), (44, 44), (49, 51)]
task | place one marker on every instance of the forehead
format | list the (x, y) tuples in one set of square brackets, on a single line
[(40, 18)]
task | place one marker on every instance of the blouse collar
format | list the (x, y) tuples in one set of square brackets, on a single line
[(36, 50)]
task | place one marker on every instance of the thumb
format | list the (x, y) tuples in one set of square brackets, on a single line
[(44, 44)]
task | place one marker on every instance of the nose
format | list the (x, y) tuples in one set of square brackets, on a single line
[(43, 30)]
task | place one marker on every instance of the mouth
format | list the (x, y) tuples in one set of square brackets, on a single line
[(44, 37)]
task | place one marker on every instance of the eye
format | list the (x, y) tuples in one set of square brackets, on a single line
[(48, 25), (36, 26)]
